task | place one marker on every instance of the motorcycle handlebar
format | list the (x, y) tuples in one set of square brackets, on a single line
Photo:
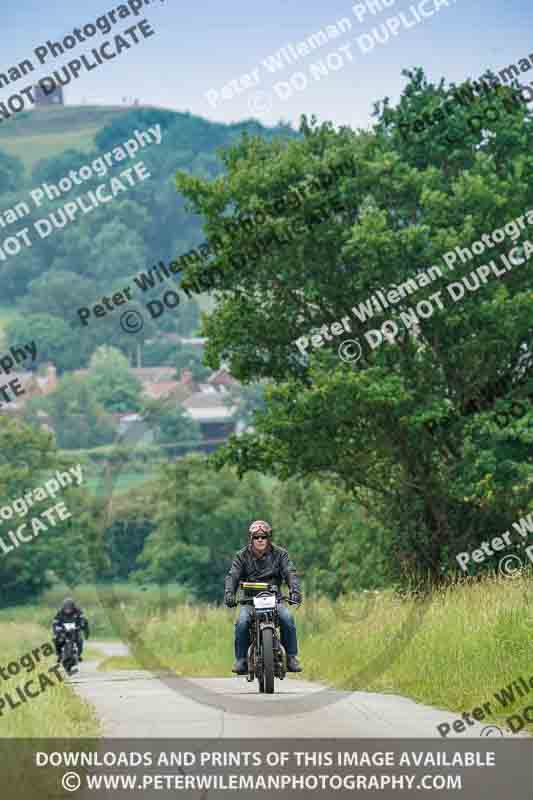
[(249, 600)]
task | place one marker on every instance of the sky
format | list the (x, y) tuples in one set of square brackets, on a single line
[(200, 47)]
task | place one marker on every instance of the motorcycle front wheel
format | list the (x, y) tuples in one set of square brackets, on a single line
[(268, 661)]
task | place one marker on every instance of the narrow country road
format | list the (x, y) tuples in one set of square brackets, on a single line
[(141, 704)]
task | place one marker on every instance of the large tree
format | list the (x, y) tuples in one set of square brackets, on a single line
[(28, 459), (170, 423), (77, 418), (58, 294), (201, 522), (113, 383), (388, 207), (52, 337)]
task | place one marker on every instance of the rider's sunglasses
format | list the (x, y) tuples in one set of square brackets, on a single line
[(259, 536)]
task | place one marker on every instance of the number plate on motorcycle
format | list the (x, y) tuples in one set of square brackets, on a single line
[(70, 626), (265, 602)]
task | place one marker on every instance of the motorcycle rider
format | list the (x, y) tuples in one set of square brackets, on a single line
[(69, 612), (263, 561)]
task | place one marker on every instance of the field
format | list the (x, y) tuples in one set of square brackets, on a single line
[(47, 132)]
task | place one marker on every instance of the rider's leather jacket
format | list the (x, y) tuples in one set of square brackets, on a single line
[(77, 617), (274, 566)]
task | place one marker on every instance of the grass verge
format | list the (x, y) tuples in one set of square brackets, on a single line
[(55, 711)]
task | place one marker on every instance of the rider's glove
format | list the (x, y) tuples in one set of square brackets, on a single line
[(295, 597), (229, 600)]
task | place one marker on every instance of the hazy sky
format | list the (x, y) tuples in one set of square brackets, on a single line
[(202, 46)]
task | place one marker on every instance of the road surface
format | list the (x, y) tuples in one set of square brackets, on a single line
[(137, 703)]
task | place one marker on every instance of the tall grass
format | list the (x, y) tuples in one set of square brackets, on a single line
[(460, 647), (192, 640), (57, 711)]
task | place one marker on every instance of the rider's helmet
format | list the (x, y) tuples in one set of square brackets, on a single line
[(69, 606), (260, 526)]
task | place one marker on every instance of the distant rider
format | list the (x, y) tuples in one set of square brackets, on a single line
[(69, 612), (263, 561)]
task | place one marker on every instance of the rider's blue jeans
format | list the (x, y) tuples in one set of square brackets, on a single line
[(287, 627)]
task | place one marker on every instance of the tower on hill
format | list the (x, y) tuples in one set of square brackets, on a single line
[(55, 98)]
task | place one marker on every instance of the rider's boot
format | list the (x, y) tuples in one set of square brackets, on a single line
[(240, 667), (293, 665)]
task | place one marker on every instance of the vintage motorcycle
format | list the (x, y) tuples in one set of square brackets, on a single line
[(69, 647), (267, 658)]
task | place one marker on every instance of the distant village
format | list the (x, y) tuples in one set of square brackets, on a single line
[(208, 403)]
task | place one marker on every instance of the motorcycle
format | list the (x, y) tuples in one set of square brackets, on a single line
[(69, 647), (267, 658)]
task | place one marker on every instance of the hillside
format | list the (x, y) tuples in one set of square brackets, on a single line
[(77, 263), (48, 132)]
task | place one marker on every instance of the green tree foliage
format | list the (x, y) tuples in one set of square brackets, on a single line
[(188, 321), (170, 423), (11, 173), (248, 399), (77, 418), (183, 320), (114, 386), (201, 522), (126, 531), (337, 547), (27, 459), (201, 519), (57, 294), (51, 335), (400, 204), (189, 357), (159, 352)]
